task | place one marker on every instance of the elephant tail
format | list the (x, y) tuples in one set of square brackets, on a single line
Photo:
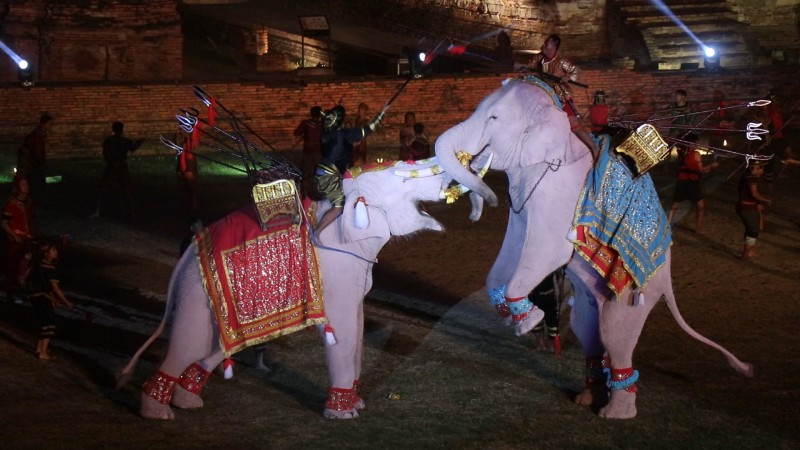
[(124, 374), (743, 368)]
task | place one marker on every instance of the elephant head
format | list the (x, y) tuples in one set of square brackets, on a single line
[(391, 194), (518, 124)]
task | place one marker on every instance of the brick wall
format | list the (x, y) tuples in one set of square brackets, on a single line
[(84, 113), (94, 40)]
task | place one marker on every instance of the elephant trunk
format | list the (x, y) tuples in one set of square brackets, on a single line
[(446, 148)]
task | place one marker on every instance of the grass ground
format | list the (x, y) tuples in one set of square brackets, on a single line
[(463, 381)]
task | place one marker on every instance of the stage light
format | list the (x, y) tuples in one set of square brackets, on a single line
[(22, 64), (422, 56), (25, 75), (710, 58)]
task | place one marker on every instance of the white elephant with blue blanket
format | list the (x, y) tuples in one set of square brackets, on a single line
[(523, 128)]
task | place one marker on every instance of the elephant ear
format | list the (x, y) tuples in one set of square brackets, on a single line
[(378, 226), (547, 139)]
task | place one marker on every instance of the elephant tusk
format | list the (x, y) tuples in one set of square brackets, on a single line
[(453, 193), (482, 171), (419, 173)]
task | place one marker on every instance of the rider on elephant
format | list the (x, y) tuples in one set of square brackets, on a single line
[(337, 149), (551, 63)]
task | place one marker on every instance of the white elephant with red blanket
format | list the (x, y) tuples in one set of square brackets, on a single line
[(346, 253)]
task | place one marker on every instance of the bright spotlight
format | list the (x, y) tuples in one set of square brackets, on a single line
[(422, 56), (22, 64), (710, 58)]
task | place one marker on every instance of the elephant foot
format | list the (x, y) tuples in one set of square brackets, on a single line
[(184, 399), (529, 322), (151, 408), (622, 405), (341, 404), (336, 414), (593, 395)]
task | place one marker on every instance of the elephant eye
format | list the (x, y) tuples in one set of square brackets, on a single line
[(493, 117)]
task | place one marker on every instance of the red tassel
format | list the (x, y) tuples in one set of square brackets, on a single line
[(212, 113), (557, 346)]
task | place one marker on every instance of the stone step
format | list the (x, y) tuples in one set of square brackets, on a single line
[(672, 4), (731, 61), (679, 51), (688, 10), (688, 20), (695, 27)]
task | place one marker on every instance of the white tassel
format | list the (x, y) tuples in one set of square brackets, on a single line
[(330, 339), (641, 299), (572, 236), (228, 365), (361, 217)]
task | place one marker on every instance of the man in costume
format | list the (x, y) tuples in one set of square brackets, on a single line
[(337, 149), (690, 184), (310, 132), (598, 114), (33, 157), (750, 206), (551, 63), (17, 224)]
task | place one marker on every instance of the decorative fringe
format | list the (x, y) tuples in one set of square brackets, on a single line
[(557, 346), (361, 216), (228, 365), (638, 300), (330, 338)]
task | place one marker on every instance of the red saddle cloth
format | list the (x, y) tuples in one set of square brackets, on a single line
[(604, 259), (261, 284)]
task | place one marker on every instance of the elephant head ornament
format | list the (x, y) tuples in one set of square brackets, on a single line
[(529, 138), (389, 194)]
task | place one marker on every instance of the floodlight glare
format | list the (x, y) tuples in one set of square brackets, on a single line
[(422, 56), (22, 64), (710, 52)]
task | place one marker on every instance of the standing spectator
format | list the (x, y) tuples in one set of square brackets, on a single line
[(115, 152), (750, 207), (32, 157), (689, 185), (310, 132), (46, 295), (561, 72), (362, 118), (681, 109), (407, 133), (420, 147), (17, 223)]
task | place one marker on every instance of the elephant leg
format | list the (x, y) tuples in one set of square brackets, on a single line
[(156, 396), (344, 358), (359, 400), (621, 324), (192, 338), (193, 380), (585, 323)]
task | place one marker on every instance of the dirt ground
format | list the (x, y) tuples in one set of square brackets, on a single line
[(462, 380)]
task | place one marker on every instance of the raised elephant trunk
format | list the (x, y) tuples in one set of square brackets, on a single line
[(447, 146)]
